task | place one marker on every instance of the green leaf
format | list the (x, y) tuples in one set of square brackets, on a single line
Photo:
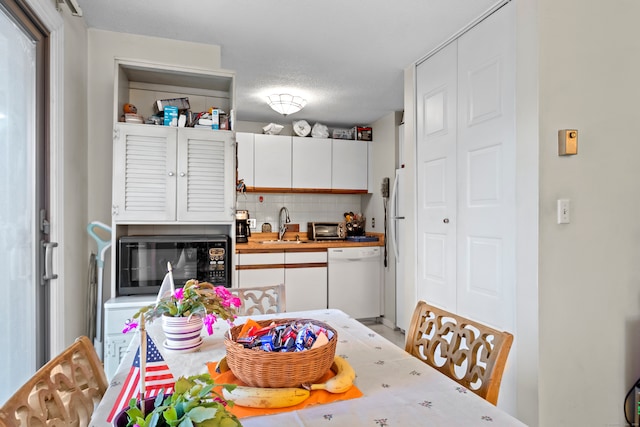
[(210, 423), (186, 422), (159, 398), (182, 386), (153, 420), (229, 387), (206, 391), (229, 422), (200, 413), (170, 414)]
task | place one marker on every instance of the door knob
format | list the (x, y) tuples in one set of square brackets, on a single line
[(446, 220)]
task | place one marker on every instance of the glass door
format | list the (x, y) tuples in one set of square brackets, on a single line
[(23, 195)]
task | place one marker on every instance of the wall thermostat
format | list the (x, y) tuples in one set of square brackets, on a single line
[(567, 142)]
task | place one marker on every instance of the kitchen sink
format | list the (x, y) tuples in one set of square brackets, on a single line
[(282, 242)]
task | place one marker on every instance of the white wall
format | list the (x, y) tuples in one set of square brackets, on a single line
[(73, 251), (589, 269), (526, 334), (409, 243)]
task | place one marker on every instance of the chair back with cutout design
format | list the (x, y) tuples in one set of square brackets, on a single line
[(466, 351), (261, 300), (64, 392)]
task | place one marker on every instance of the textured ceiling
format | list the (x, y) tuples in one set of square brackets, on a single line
[(346, 57)]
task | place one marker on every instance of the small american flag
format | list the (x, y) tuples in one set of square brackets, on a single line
[(157, 377)]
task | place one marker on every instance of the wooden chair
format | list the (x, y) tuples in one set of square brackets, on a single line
[(64, 392), (466, 351), (261, 300)]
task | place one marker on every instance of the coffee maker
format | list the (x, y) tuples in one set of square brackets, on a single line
[(242, 226)]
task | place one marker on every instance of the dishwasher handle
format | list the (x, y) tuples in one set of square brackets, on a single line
[(353, 254)]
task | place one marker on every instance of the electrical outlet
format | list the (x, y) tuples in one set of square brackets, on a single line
[(252, 223)]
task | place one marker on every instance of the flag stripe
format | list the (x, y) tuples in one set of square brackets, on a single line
[(157, 377)]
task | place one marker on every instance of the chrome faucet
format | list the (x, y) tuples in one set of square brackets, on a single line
[(282, 225)]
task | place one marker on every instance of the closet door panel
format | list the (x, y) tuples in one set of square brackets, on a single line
[(486, 171), (436, 157)]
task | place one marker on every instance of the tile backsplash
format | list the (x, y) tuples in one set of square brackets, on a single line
[(302, 208)]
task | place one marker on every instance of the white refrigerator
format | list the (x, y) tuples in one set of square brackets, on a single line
[(397, 232)]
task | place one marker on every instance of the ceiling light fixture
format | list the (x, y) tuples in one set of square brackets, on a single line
[(286, 104)]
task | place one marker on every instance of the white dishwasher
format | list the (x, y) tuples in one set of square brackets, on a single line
[(355, 281)]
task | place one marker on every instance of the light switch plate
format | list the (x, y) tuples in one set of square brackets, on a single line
[(564, 211)]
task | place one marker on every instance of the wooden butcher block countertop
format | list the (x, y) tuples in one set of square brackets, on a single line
[(255, 246)]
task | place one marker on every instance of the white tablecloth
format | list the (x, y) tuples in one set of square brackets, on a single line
[(399, 390)]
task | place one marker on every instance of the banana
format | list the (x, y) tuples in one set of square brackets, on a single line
[(222, 365), (258, 397), (341, 382)]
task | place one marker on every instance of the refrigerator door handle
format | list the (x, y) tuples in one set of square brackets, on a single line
[(394, 195)]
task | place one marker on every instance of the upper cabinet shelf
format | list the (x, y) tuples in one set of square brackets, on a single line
[(142, 83)]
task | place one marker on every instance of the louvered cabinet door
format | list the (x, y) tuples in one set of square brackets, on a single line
[(205, 178), (144, 173)]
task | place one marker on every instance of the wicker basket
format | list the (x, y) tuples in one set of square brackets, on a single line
[(259, 368)]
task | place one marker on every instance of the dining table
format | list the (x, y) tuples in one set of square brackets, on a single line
[(397, 388)]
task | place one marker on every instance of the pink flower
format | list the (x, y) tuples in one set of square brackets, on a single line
[(209, 320), (129, 325), (222, 292), (220, 400), (235, 301), (179, 294)]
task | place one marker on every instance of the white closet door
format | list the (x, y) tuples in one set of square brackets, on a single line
[(486, 171), (466, 174), (437, 178)]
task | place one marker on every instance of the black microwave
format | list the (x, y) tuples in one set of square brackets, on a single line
[(142, 261)]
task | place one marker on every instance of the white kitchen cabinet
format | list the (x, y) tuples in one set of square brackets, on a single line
[(260, 269), (349, 165), (305, 279), (245, 157), (272, 161), (311, 158), (169, 174), (116, 312), (278, 163), (304, 275), (163, 173)]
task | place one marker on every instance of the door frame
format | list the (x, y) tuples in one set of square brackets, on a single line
[(54, 22)]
